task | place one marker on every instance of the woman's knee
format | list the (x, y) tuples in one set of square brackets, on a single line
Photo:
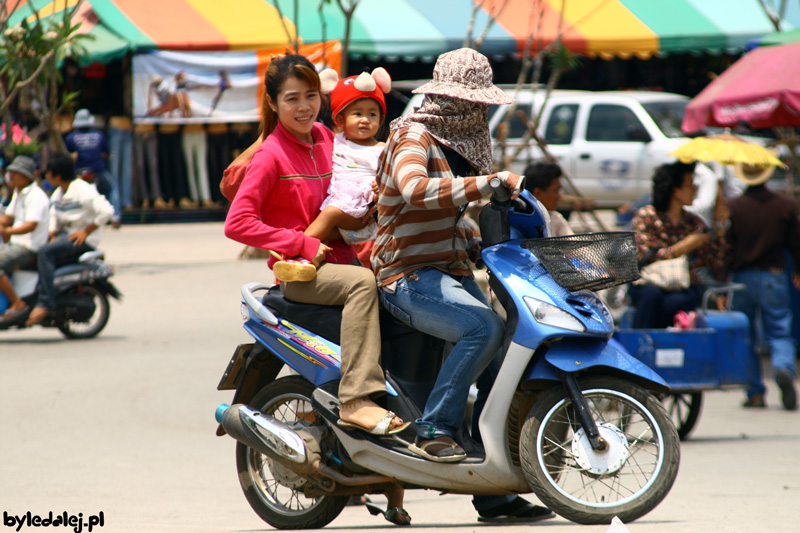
[(489, 326)]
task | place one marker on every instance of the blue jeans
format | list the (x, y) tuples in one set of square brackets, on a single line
[(656, 308), (120, 142), (766, 299), (453, 309), (52, 255)]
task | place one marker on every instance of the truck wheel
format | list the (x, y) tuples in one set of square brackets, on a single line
[(273, 491)]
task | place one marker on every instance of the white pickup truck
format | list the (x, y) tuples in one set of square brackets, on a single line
[(609, 143)]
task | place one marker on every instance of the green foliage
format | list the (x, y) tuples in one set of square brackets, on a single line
[(562, 59), (29, 148)]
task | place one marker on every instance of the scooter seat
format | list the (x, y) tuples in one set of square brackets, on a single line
[(410, 357), (326, 320)]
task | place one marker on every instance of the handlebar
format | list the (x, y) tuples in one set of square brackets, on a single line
[(500, 192), (719, 288)]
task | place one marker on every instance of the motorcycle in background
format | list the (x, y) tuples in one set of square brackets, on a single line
[(82, 301)]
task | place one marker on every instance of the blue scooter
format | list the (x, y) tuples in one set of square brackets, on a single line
[(571, 417)]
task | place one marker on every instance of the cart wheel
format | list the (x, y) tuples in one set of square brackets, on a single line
[(685, 410)]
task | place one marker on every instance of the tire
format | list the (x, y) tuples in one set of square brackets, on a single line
[(280, 502), (685, 411), (628, 480), (84, 329)]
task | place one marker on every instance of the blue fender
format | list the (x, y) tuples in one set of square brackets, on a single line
[(575, 354)]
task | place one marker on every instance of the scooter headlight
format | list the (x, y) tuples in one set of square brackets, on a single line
[(245, 311), (549, 314)]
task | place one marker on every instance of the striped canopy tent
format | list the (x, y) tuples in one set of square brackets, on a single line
[(416, 29)]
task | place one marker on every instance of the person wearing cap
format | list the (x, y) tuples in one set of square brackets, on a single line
[(436, 161), (89, 148), (77, 215), (763, 227), (23, 228), (358, 108)]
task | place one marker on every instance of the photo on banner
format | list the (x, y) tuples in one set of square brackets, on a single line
[(185, 87)]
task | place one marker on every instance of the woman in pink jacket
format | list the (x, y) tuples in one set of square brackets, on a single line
[(284, 185)]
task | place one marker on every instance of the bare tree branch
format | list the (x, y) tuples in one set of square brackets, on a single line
[(22, 84), (293, 40), (492, 18)]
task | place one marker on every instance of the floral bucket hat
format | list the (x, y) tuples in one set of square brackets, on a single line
[(464, 74)]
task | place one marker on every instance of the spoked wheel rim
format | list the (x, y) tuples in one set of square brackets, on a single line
[(622, 473), (278, 487), (684, 409)]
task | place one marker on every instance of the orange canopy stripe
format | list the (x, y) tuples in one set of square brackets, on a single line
[(175, 25)]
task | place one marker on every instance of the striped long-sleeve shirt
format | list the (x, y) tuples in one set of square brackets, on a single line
[(418, 208)]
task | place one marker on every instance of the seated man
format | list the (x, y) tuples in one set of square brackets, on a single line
[(23, 228), (77, 214), (543, 180)]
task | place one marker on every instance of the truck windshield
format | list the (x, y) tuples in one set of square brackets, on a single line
[(667, 116)]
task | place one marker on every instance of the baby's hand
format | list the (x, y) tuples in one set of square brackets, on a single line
[(366, 219), (321, 253)]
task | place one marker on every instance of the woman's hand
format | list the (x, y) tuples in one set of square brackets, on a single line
[(513, 182), (321, 253), (690, 243)]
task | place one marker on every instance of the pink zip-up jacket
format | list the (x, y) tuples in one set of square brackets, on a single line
[(282, 191)]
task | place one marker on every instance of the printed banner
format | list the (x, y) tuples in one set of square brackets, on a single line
[(202, 87)]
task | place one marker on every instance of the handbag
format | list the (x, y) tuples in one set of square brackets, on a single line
[(666, 274)]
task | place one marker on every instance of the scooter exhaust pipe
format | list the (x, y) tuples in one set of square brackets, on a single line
[(262, 432)]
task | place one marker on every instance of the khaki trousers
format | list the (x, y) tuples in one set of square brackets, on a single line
[(354, 288)]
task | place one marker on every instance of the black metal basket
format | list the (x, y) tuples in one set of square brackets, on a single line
[(591, 261)]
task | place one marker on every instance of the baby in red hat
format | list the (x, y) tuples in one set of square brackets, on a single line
[(358, 109)]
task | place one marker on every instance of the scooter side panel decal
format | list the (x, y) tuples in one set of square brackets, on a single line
[(301, 354), (320, 359)]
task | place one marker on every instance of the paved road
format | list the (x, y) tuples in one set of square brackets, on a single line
[(123, 424)]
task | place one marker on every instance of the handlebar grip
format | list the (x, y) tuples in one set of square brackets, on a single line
[(500, 192)]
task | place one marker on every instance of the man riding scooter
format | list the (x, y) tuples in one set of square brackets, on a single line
[(77, 214), (23, 229)]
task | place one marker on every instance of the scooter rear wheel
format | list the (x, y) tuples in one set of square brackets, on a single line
[(628, 479), (71, 320), (274, 492)]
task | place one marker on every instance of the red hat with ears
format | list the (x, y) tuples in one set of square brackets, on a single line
[(346, 91)]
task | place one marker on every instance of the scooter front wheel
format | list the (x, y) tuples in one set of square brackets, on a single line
[(273, 491), (628, 478)]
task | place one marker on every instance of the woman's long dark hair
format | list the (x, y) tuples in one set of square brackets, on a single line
[(281, 68), (666, 179)]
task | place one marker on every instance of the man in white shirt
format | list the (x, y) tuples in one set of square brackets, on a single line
[(77, 214), (23, 228)]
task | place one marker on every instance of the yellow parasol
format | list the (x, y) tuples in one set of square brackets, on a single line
[(728, 149)]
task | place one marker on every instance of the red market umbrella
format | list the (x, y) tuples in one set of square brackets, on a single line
[(762, 89)]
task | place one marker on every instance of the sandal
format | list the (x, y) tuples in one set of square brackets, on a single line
[(516, 511), (395, 515), (12, 314), (381, 428), (441, 449), (37, 316), (294, 269)]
